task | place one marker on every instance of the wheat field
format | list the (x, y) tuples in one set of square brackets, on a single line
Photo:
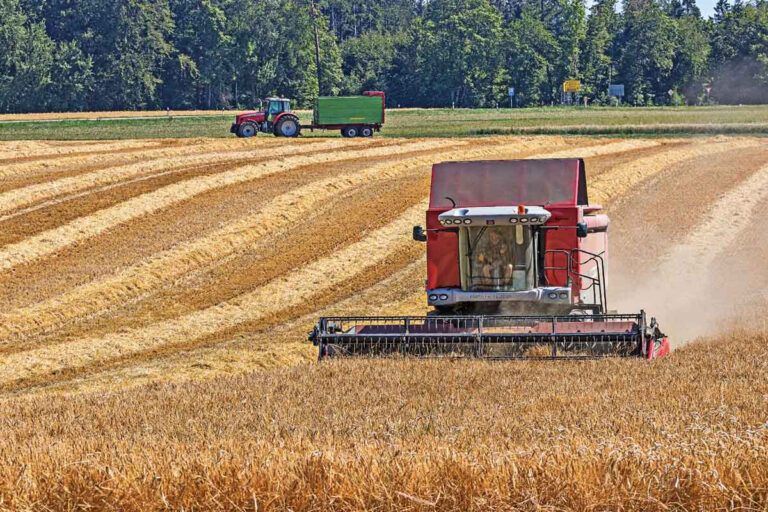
[(155, 297)]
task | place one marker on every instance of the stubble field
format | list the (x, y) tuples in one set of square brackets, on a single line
[(155, 297)]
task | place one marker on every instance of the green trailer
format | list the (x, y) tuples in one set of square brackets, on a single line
[(355, 116)]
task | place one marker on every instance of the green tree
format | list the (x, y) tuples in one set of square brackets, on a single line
[(198, 72), (648, 42), (25, 60), (691, 62), (739, 56), (72, 82), (274, 53), (598, 52), (126, 41), (458, 43), (366, 62), (568, 25), (406, 85), (531, 53), (722, 8)]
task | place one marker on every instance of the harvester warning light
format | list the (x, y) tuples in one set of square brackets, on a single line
[(521, 210)]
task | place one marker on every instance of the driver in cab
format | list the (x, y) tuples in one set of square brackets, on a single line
[(494, 258)]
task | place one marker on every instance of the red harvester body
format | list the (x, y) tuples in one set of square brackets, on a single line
[(516, 264)]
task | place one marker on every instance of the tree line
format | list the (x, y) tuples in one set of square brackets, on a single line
[(65, 55)]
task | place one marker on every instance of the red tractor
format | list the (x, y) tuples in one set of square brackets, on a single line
[(277, 119)]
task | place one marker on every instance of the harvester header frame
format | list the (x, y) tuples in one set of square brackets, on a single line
[(522, 336)]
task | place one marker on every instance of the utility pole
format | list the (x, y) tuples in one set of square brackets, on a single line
[(317, 48)]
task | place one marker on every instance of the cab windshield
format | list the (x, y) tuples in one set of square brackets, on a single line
[(497, 258), (275, 107)]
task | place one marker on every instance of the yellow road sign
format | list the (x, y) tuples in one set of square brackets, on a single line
[(572, 86)]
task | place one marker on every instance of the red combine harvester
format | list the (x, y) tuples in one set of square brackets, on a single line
[(516, 260)]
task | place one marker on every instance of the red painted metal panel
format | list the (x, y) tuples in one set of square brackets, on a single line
[(597, 222), (555, 182), (442, 254), (256, 117), (563, 241), (281, 114)]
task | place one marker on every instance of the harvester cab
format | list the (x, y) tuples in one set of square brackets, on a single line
[(513, 238), (516, 268)]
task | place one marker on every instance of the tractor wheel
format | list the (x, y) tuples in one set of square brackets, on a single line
[(350, 131), (247, 129), (288, 126), (366, 131)]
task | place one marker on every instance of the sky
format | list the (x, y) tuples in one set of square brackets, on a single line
[(707, 7)]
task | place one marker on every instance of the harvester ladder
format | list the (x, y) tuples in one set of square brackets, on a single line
[(595, 283)]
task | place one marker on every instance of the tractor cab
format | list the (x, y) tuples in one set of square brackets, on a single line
[(276, 106)]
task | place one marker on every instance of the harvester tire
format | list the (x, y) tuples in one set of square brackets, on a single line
[(350, 131), (288, 126), (366, 131), (247, 129)]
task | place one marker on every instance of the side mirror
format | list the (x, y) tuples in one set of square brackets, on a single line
[(581, 230), (418, 234)]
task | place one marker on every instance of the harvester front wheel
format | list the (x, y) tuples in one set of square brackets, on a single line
[(247, 129), (288, 126), (366, 131), (350, 131)]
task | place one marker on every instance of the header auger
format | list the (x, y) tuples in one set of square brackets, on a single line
[(516, 263)]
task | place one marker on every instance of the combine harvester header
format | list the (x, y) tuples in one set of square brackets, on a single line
[(516, 264)]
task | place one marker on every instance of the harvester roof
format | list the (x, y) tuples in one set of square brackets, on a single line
[(553, 182)]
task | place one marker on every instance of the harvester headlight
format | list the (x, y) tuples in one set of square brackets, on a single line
[(552, 295), (467, 221), (563, 295), (513, 220), (524, 220), (543, 219), (443, 296), (433, 297), (448, 221)]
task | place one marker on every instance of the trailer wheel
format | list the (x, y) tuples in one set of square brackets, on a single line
[(350, 131), (366, 131), (288, 126), (247, 129)]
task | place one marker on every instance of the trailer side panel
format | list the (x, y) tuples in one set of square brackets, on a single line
[(343, 110)]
